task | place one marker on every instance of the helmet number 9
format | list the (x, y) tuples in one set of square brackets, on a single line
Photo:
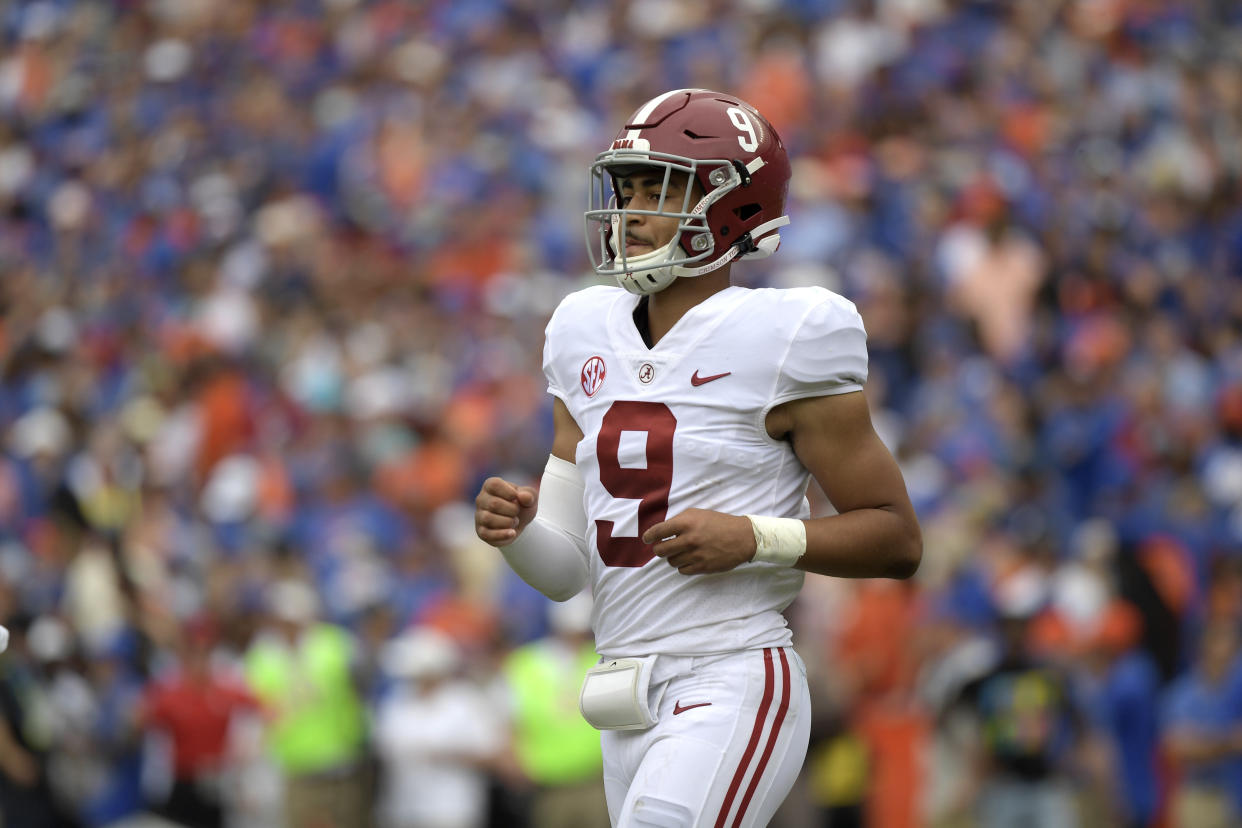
[(749, 141)]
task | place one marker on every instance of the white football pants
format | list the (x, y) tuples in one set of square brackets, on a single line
[(730, 741)]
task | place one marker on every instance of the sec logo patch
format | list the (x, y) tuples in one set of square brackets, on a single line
[(593, 372)]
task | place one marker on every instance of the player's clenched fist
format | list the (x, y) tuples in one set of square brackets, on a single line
[(502, 510)]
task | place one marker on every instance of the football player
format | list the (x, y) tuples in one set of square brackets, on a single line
[(690, 414)]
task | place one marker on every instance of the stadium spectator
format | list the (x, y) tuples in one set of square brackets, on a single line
[(1030, 736), (194, 705), (26, 794), (437, 737), (300, 669), (115, 792), (1119, 687), (1203, 733)]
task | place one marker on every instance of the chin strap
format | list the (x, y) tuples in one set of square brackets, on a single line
[(729, 255), (766, 244), (743, 248)]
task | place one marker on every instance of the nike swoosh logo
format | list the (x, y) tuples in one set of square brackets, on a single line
[(678, 709), (696, 380)]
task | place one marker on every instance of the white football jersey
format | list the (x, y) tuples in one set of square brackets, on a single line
[(681, 426)]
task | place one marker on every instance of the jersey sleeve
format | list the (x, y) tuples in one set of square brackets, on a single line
[(828, 352), (552, 336), (574, 315)]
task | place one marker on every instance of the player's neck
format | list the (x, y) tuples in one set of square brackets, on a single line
[(669, 305)]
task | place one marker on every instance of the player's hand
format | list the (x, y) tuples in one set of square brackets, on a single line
[(502, 510), (699, 541)]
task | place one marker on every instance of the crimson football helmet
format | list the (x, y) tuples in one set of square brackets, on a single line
[(736, 210)]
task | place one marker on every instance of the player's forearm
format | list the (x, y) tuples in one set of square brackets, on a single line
[(548, 559), (550, 553), (863, 543)]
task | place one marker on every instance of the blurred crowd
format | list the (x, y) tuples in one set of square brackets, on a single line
[(273, 278)]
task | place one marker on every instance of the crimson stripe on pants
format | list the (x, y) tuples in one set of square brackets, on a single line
[(767, 749), (755, 733)]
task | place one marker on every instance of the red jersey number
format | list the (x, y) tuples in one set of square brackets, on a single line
[(649, 486)]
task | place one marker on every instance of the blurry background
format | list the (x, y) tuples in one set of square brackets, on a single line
[(273, 279)]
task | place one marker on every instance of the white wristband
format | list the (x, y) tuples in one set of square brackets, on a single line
[(780, 541)]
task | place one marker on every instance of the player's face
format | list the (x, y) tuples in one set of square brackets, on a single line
[(641, 190)]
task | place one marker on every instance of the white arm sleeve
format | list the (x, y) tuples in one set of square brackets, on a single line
[(551, 552)]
